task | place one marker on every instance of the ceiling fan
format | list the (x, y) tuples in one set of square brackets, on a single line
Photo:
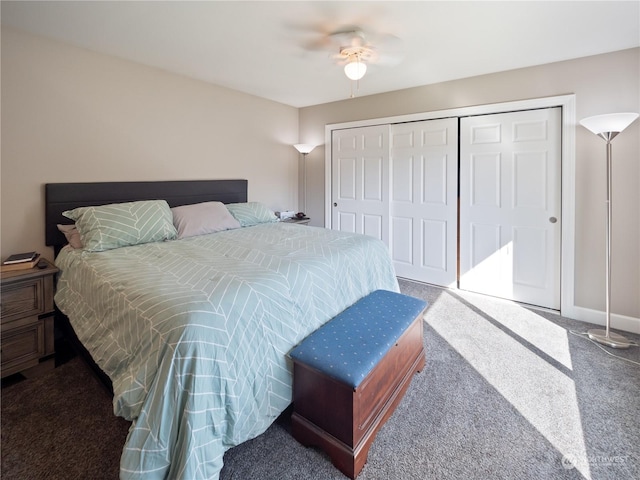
[(357, 45), (354, 48)]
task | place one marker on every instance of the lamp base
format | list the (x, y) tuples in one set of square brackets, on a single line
[(612, 340)]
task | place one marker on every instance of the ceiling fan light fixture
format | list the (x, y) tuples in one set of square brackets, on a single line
[(355, 69)]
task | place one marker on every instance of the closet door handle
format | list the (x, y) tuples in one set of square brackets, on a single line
[(553, 219)]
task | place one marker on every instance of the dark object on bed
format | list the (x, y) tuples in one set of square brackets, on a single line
[(60, 197)]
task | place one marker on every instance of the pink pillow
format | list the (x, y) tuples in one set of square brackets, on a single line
[(72, 235), (202, 218)]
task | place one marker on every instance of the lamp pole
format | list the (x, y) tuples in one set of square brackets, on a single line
[(608, 137), (304, 182), (304, 149), (608, 127)]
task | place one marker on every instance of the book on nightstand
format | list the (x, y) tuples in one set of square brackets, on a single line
[(20, 261), (20, 258)]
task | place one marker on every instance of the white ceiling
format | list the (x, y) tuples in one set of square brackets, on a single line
[(262, 47)]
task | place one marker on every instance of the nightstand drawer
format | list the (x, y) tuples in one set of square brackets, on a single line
[(22, 347), (22, 298), (27, 318)]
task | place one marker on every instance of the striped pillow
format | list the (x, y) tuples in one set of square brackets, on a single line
[(251, 213), (122, 224)]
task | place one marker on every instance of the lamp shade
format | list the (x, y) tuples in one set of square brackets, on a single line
[(355, 69), (304, 148), (610, 122)]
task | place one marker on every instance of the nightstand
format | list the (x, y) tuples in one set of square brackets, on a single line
[(299, 221), (27, 318)]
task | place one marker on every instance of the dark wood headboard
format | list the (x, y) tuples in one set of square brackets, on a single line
[(60, 197)]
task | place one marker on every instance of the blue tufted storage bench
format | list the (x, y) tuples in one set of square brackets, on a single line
[(351, 373)]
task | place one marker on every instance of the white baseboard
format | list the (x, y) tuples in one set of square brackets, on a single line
[(618, 322)]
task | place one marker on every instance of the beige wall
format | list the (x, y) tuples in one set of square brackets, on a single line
[(602, 84), (70, 115)]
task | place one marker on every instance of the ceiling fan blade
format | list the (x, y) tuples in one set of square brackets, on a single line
[(319, 34), (389, 49), (320, 43), (382, 48)]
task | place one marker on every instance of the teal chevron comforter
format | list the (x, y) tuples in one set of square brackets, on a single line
[(194, 333)]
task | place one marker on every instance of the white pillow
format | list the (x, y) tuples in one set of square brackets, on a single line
[(202, 218)]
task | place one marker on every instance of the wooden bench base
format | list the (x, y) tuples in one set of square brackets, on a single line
[(344, 421)]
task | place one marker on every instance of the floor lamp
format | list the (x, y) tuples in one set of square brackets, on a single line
[(608, 127), (304, 149)]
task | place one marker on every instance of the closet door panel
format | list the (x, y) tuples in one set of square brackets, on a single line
[(510, 204), (424, 172), (360, 181)]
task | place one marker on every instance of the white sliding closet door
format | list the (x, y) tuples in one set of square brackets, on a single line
[(360, 181), (510, 201), (424, 184)]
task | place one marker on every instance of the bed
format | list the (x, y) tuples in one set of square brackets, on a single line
[(194, 333)]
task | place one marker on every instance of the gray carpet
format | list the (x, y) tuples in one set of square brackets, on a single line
[(507, 393)]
